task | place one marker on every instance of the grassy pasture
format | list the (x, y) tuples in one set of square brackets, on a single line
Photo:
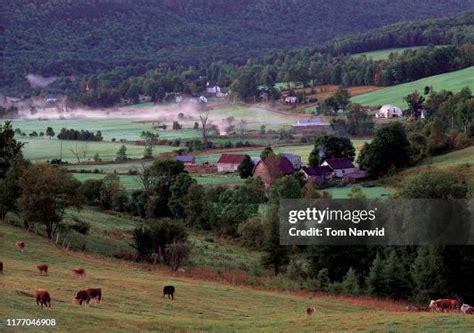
[(131, 182), (133, 300), (370, 192), (453, 81), (383, 54), (46, 149)]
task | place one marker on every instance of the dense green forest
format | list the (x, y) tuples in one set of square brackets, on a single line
[(57, 38)]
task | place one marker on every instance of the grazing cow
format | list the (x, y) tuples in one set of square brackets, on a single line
[(95, 293), (43, 298), (82, 296), (467, 309), (412, 308), (310, 311), (169, 290), (444, 305), (455, 304), (20, 245), (42, 268), (1, 267), (87, 294), (79, 272)]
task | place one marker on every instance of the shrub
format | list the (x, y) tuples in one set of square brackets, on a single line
[(81, 227), (251, 233)]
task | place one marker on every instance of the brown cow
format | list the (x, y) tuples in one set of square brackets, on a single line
[(87, 295), (95, 293), (42, 268), (310, 311), (43, 298), (20, 245), (79, 272), (444, 305)]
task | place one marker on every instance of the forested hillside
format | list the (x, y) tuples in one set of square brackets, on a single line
[(70, 38)]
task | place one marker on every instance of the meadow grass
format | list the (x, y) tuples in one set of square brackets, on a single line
[(48, 149), (131, 183), (133, 299), (453, 81), (384, 54)]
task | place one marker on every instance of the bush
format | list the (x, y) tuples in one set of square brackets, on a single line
[(81, 227), (176, 254), (251, 233)]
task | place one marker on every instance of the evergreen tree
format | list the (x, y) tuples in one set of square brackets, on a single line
[(375, 280), (396, 277), (323, 281), (276, 255), (245, 168), (121, 154), (428, 275), (178, 194), (350, 283)]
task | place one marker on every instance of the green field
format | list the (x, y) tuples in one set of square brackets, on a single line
[(132, 299), (46, 149), (132, 182), (453, 81), (384, 54), (370, 192)]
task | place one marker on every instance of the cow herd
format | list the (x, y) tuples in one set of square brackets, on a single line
[(43, 297), (443, 305), (84, 296)]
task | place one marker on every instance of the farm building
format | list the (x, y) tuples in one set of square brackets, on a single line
[(273, 168), (291, 100), (255, 159), (389, 111), (313, 125), (294, 159), (340, 166), (354, 176), (317, 174), (229, 162), (214, 90), (186, 159)]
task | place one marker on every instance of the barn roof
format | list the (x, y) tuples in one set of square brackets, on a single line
[(185, 158), (340, 163), (317, 171), (230, 159), (286, 166)]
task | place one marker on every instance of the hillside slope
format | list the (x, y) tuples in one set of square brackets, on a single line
[(57, 37), (453, 81), (133, 299)]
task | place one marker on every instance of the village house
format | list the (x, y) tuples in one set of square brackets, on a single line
[(229, 162), (314, 125), (318, 174), (186, 159), (294, 159), (291, 100), (272, 168), (340, 166), (389, 111), (214, 90)]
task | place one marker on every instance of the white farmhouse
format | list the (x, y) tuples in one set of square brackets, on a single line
[(389, 111)]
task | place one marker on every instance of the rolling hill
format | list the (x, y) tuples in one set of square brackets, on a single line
[(132, 299), (453, 81), (76, 37)]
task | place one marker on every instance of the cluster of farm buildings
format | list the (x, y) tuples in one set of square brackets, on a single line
[(340, 169)]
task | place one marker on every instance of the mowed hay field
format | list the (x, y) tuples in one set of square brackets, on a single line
[(47, 149), (453, 81), (132, 299), (384, 54)]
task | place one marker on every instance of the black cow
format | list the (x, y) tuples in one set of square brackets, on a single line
[(169, 290)]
